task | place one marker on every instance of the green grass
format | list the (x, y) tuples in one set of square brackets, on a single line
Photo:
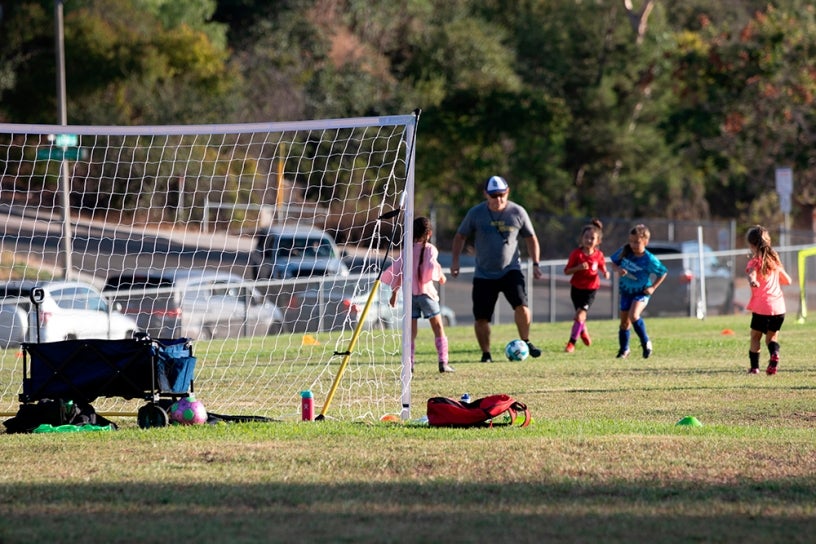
[(603, 461)]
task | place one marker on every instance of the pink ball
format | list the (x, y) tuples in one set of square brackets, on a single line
[(188, 411)]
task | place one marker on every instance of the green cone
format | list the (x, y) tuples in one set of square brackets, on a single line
[(690, 421)]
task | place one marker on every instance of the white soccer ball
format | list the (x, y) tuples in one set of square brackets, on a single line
[(517, 350)]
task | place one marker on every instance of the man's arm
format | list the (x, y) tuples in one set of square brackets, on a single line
[(534, 250), (456, 250)]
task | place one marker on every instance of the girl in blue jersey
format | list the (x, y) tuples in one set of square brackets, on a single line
[(636, 267)]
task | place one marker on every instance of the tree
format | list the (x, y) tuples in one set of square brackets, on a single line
[(744, 105), (123, 66)]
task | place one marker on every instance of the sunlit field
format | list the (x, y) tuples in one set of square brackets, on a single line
[(604, 459)]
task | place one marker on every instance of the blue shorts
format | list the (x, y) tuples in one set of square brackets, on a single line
[(424, 306), (626, 300)]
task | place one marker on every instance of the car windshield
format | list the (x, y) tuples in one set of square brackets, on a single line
[(304, 247)]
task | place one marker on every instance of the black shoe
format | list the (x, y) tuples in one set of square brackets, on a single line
[(534, 351), (445, 367), (647, 349), (486, 358), (622, 354)]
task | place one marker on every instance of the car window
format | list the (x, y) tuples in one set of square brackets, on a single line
[(79, 298), (66, 299), (93, 301), (318, 247), (226, 288)]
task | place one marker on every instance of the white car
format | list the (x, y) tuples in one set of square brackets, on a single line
[(198, 303), (68, 310)]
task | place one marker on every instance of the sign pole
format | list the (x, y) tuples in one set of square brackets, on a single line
[(62, 114), (784, 189)]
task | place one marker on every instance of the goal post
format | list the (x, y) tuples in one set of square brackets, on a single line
[(170, 225), (802, 257)]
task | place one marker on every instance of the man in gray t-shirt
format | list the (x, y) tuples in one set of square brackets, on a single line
[(496, 226)]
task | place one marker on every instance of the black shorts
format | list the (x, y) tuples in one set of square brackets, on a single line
[(582, 299), (766, 323), (486, 293)]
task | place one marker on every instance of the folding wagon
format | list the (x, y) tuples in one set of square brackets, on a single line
[(159, 371)]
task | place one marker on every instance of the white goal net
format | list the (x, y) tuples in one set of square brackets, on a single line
[(261, 242)]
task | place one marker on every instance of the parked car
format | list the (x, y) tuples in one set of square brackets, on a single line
[(68, 310), (198, 304), (293, 251), (680, 291), (339, 304)]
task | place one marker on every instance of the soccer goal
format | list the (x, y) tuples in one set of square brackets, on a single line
[(261, 242)]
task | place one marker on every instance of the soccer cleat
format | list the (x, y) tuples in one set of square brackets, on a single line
[(445, 367), (486, 358), (570, 347), (622, 354), (647, 349), (753, 370), (771, 370), (585, 338), (534, 351)]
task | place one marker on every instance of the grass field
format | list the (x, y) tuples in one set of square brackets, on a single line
[(603, 461)]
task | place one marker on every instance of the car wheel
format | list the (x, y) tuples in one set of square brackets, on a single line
[(205, 333), (275, 328), (262, 271)]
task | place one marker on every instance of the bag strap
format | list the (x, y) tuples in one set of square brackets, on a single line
[(515, 409)]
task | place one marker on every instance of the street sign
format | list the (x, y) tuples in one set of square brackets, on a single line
[(66, 140), (58, 154), (784, 188)]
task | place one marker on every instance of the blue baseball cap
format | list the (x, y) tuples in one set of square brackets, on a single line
[(496, 185)]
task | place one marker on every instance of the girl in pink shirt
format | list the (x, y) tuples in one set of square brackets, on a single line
[(767, 304), (424, 299)]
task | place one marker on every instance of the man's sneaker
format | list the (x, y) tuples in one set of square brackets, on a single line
[(570, 347), (585, 338), (534, 351), (622, 354), (445, 367), (647, 349), (753, 370), (486, 358)]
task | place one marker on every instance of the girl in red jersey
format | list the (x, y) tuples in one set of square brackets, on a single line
[(584, 264), (766, 277)]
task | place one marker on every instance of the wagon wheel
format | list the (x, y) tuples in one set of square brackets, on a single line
[(152, 415)]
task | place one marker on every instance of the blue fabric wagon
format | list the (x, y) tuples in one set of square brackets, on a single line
[(83, 370)]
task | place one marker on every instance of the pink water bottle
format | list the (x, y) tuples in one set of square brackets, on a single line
[(306, 405)]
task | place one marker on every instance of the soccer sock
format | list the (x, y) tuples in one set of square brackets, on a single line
[(640, 330), (754, 358), (773, 347), (623, 339), (576, 330), (442, 348)]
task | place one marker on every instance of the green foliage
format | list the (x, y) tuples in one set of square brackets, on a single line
[(745, 106), (687, 119)]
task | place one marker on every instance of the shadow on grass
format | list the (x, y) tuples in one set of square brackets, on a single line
[(750, 511)]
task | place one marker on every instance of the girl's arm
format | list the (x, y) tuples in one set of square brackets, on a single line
[(784, 278), (750, 270)]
